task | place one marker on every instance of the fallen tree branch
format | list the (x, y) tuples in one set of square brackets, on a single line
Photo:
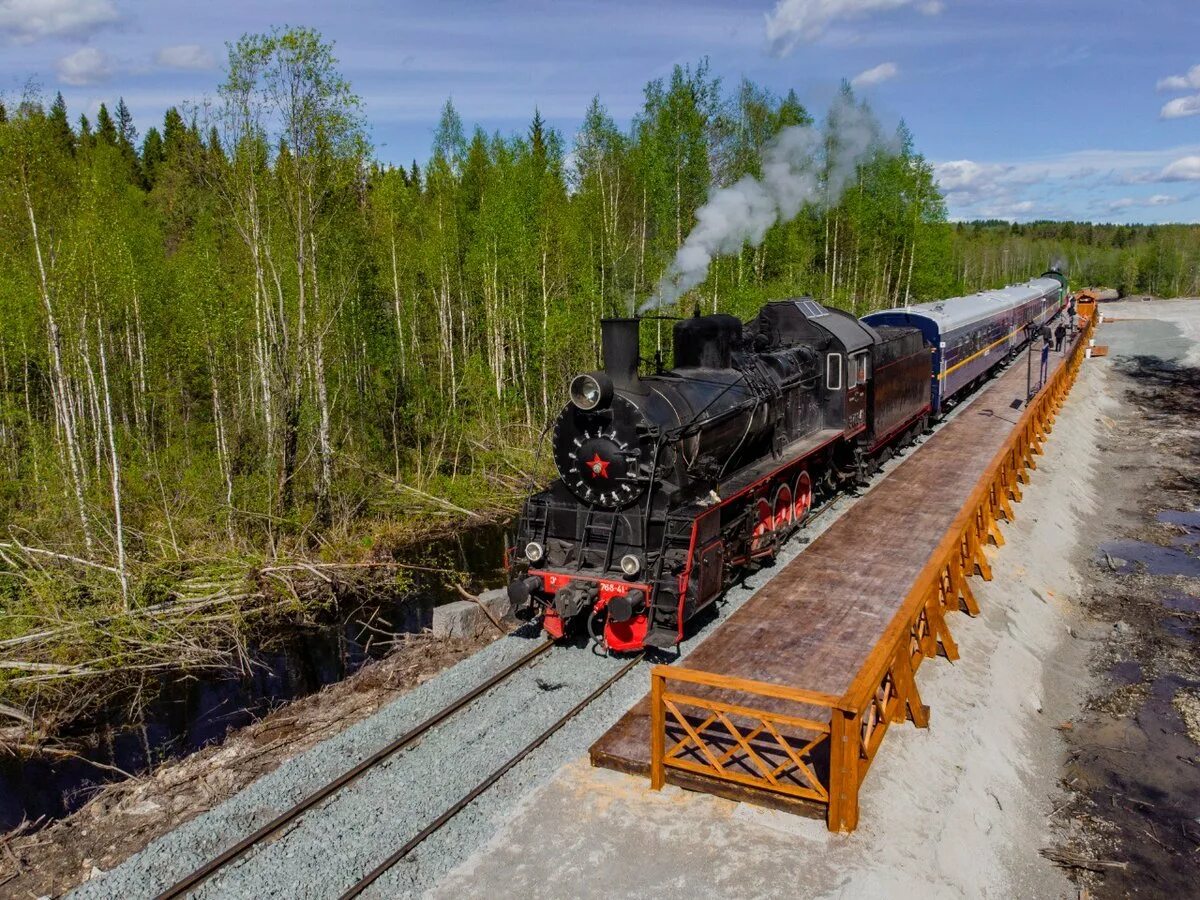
[(1074, 861), (61, 557), (14, 713), (487, 612)]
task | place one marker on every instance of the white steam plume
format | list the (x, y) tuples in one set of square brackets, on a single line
[(795, 172)]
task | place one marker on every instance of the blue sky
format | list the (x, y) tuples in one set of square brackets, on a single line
[(1085, 109)]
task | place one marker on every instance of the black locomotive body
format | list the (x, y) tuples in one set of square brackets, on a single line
[(672, 482)]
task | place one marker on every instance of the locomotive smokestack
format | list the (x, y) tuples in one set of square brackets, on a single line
[(620, 340)]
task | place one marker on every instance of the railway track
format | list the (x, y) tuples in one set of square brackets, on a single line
[(371, 877), (281, 822), (242, 847), (295, 812)]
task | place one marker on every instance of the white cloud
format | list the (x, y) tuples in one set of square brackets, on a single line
[(792, 22), (1187, 82), (971, 180), (1009, 209), (1064, 185), (87, 65), (192, 57), (25, 21), (1181, 107), (1137, 202), (1185, 169), (877, 75)]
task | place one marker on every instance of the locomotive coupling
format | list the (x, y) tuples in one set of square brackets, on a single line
[(571, 600)]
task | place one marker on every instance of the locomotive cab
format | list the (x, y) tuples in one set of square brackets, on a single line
[(841, 344)]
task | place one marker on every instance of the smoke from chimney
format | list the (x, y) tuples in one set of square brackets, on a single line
[(792, 177)]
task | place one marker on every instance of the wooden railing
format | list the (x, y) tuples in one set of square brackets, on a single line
[(819, 747), (768, 749)]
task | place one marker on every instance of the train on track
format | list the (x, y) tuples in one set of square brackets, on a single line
[(672, 483)]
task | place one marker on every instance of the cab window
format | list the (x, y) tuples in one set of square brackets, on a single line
[(833, 371), (859, 375)]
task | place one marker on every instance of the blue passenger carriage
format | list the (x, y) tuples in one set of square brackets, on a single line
[(970, 336)]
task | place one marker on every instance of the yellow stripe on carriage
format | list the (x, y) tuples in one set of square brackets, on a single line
[(959, 365)]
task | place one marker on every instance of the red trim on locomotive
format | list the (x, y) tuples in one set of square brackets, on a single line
[(685, 577), (552, 582), (787, 465)]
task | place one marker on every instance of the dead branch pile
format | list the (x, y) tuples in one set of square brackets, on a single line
[(61, 661)]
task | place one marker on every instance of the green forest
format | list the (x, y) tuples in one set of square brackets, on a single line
[(237, 338)]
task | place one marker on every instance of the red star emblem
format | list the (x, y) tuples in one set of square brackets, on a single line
[(597, 466)]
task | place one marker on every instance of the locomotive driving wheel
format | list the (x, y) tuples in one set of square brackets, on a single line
[(802, 496), (783, 508), (762, 537)]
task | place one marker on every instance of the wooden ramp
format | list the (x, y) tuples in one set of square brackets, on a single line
[(787, 701)]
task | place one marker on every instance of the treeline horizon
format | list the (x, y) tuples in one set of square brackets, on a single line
[(240, 333)]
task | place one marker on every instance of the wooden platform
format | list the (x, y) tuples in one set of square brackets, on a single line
[(822, 656)]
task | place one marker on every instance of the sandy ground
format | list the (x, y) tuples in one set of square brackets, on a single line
[(961, 809), (1132, 813)]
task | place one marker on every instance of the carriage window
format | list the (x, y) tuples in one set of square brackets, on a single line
[(861, 376), (833, 371)]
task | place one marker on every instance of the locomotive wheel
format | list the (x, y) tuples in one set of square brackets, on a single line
[(762, 537), (783, 508), (802, 497)]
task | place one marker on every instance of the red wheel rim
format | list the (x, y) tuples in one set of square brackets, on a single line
[(803, 496), (783, 507)]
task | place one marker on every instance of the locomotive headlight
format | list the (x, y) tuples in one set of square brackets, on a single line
[(591, 390), (630, 564), (534, 551)]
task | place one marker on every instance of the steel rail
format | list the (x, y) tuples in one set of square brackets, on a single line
[(371, 877), (242, 846)]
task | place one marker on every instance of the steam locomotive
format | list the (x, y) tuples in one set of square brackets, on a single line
[(672, 483)]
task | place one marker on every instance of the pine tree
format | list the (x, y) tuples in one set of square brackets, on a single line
[(153, 155), (106, 130), (174, 133), (86, 138), (60, 125), (126, 134), (214, 148), (537, 140), (414, 175), (3, 113)]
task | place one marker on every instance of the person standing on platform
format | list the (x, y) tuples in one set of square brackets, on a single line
[(1045, 358), (1060, 334)]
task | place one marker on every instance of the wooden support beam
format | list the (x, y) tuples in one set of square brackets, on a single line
[(658, 731), (843, 769)]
